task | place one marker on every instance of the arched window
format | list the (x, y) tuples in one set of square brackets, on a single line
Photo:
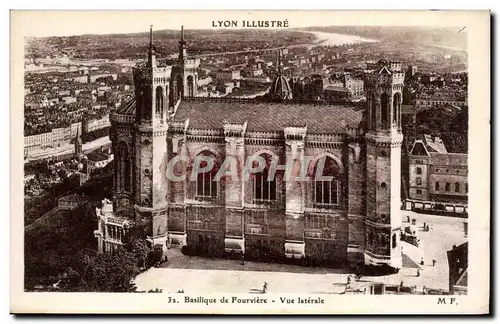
[(264, 189), (326, 191), (374, 113), (396, 108), (180, 88), (123, 167), (370, 112), (172, 94), (447, 186), (394, 237), (384, 110), (457, 187), (437, 186), (206, 186), (146, 112), (190, 84), (159, 100)]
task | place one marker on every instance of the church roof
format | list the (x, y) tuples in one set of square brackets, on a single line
[(419, 148), (434, 144), (127, 109), (269, 117)]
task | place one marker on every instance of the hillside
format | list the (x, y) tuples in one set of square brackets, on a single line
[(133, 45)]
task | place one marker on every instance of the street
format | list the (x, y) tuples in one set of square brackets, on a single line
[(444, 233), (69, 148), (189, 273)]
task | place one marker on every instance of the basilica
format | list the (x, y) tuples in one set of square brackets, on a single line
[(352, 218)]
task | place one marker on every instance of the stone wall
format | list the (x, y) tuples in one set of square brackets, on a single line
[(266, 226)]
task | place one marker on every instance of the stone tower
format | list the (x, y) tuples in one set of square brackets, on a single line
[(384, 86), (149, 140), (188, 77)]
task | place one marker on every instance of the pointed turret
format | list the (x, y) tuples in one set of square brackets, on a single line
[(151, 38), (182, 63), (280, 88), (151, 52), (182, 47), (280, 68)]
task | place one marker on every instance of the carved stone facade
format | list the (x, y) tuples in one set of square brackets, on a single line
[(347, 215)]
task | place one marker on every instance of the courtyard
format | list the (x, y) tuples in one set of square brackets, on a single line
[(189, 273)]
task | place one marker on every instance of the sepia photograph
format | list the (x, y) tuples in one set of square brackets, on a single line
[(250, 162)]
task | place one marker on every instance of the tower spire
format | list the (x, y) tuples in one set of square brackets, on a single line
[(150, 37), (151, 52), (182, 47), (182, 42), (280, 71), (280, 88)]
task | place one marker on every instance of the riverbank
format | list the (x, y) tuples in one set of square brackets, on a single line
[(334, 39), (67, 149), (451, 48)]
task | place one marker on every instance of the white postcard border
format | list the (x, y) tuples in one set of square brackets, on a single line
[(477, 300)]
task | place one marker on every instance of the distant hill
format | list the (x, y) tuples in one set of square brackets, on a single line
[(449, 37), (133, 45)]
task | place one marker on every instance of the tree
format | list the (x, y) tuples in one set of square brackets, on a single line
[(155, 256), (109, 272), (448, 123), (56, 243), (156, 290), (139, 247), (89, 271), (135, 242)]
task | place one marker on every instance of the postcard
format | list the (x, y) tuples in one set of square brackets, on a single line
[(250, 162)]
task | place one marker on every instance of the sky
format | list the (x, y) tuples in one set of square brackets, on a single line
[(66, 23)]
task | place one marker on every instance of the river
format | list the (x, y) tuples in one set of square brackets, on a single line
[(332, 39), (322, 39), (451, 48)]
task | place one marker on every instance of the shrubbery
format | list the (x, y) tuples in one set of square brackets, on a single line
[(62, 250), (451, 126)]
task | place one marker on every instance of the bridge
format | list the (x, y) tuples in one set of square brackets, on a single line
[(258, 50)]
